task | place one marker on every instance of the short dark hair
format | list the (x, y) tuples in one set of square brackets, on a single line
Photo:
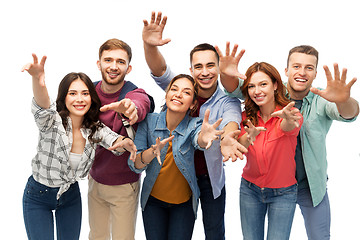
[(203, 47)]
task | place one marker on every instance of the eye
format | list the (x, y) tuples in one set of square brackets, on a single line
[(250, 86), (86, 93), (72, 93), (310, 68)]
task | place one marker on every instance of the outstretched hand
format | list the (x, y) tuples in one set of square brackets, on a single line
[(159, 145), (125, 107), (231, 148), (152, 33), (36, 69), (252, 131), (208, 131), (126, 144), (290, 115), (337, 90), (229, 63)]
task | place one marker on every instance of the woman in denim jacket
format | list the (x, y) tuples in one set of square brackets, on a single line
[(169, 197)]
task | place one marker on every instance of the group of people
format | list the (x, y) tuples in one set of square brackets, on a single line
[(87, 131)]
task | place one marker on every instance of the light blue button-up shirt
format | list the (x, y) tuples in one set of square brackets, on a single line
[(318, 116), (183, 147), (221, 106)]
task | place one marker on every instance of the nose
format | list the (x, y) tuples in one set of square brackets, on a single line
[(113, 65), (302, 71), (79, 98), (205, 71)]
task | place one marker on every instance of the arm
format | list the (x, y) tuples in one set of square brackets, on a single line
[(36, 70), (152, 37), (228, 65), (338, 91)]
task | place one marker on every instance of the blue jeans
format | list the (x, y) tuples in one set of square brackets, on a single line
[(317, 219), (39, 202), (166, 221), (278, 203), (213, 210)]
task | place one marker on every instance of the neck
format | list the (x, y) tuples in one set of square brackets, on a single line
[(296, 95), (173, 119), (266, 111), (207, 93), (108, 88), (76, 122)]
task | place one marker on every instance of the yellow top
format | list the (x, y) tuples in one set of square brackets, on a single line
[(170, 185)]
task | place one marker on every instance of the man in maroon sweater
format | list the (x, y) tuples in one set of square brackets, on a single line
[(113, 187)]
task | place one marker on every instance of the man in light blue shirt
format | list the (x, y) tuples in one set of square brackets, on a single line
[(209, 163), (319, 108)]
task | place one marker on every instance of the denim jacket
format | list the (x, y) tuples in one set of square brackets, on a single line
[(221, 106), (183, 144)]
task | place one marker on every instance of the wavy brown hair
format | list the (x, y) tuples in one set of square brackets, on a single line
[(91, 118), (251, 108), (196, 90)]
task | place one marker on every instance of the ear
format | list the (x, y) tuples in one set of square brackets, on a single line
[(275, 86), (129, 69), (98, 64), (191, 71), (286, 72)]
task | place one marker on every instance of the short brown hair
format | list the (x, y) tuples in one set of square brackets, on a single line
[(113, 44), (307, 49)]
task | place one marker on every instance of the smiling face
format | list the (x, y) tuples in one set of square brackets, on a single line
[(205, 70), (78, 99), (180, 96), (114, 65), (261, 90), (301, 72)]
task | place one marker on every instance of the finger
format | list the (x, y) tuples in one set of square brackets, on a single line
[(35, 58), (343, 75), (26, 67), (163, 22), (145, 23), (166, 140), (227, 51), (158, 18), (217, 123), (218, 51), (152, 17), (316, 91), (351, 83), (336, 71), (158, 159), (225, 159), (327, 73), (233, 53), (209, 144), (206, 116), (241, 54), (43, 59)]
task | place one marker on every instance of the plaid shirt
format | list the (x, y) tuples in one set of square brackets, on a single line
[(51, 165)]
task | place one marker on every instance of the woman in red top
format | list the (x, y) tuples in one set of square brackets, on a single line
[(268, 185)]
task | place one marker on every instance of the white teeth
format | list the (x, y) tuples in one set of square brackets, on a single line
[(176, 101), (300, 80)]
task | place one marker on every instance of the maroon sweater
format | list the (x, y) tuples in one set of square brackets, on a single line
[(109, 169)]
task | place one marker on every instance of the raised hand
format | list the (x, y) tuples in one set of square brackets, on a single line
[(125, 107), (152, 33), (337, 90), (36, 69), (290, 115), (127, 144), (229, 63), (159, 145), (252, 132), (231, 148), (208, 131)]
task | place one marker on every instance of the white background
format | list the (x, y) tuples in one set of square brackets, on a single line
[(71, 32)]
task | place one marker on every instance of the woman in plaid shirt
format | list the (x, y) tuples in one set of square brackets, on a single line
[(69, 132)]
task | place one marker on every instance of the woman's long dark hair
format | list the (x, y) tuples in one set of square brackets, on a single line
[(91, 118)]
